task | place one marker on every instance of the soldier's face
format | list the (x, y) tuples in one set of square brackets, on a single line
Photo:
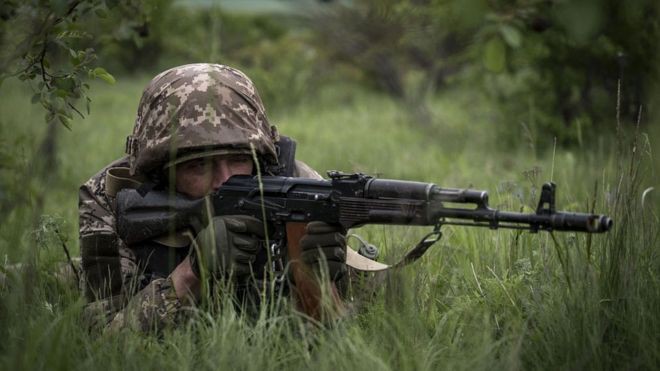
[(199, 177)]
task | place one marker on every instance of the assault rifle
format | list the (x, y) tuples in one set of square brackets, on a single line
[(349, 200)]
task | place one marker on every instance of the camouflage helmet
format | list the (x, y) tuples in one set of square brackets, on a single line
[(198, 110)]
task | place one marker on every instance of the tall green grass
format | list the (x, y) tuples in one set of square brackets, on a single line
[(480, 299)]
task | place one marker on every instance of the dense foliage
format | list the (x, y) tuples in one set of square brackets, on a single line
[(554, 66), (36, 38)]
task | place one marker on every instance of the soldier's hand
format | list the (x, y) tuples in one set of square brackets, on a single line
[(324, 249), (228, 246)]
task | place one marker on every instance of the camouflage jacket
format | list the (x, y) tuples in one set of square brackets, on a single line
[(110, 267)]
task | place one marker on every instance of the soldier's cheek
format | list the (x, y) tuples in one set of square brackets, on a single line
[(194, 186)]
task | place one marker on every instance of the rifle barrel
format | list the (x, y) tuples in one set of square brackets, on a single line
[(547, 221)]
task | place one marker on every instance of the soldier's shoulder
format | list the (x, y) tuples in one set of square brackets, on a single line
[(303, 170), (96, 184)]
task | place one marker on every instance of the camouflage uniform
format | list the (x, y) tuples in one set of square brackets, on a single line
[(186, 112)]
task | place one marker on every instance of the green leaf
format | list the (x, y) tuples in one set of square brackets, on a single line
[(102, 74), (36, 98), (64, 121), (66, 83), (75, 61), (511, 35), (66, 112), (495, 55)]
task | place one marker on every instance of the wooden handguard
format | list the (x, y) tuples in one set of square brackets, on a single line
[(307, 286)]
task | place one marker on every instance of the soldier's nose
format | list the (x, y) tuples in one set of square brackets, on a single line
[(221, 172)]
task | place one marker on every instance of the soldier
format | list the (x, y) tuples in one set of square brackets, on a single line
[(196, 126)]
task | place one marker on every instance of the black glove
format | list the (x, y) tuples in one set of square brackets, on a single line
[(228, 246), (325, 244)]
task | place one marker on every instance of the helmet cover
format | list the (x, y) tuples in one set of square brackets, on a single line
[(198, 110)]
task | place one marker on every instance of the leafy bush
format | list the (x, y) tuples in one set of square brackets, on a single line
[(558, 68), (554, 66)]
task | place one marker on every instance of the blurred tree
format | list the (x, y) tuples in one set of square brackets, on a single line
[(43, 45), (130, 37), (407, 48), (39, 46), (552, 65), (267, 47)]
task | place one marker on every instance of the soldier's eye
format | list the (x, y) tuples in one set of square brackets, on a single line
[(195, 166), (241, 159)]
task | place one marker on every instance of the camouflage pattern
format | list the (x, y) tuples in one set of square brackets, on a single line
[(154, 308), (198, 107), (96, 216), (99, 313)]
